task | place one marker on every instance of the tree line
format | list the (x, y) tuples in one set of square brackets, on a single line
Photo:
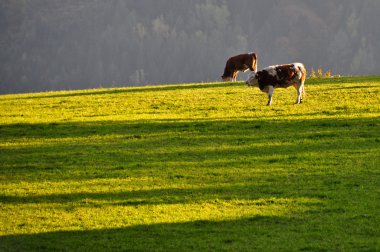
[(75, 44)]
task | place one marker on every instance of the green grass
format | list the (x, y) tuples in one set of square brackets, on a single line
[(196, 167)]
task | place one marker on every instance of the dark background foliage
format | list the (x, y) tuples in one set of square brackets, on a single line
[(76, 44)]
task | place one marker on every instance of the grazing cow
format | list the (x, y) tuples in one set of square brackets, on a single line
[(241, 62), (279, 76)]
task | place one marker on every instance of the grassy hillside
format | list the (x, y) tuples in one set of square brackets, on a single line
[(192, 167)]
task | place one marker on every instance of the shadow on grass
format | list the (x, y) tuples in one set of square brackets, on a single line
[(222, 154), (258, 194), (361, 87), (247, 234), (111, 149), (255, 233), (243, 127)]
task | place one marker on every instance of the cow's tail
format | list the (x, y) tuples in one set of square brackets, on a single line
[(303, 72)]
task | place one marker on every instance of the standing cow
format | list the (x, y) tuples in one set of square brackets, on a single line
[(241, 62), (282, 76)]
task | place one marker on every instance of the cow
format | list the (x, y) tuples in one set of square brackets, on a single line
[(279, 76), (241, 62)]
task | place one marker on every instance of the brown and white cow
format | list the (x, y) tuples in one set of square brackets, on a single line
[(241, 62), (279, 76)]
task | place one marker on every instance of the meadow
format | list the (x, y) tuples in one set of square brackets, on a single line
[(192, 167)]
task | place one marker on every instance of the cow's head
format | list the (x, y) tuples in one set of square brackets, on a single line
[(253, 79), (226, 78)]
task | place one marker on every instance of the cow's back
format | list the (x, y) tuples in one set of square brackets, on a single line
[(242, 61), (283, 75)]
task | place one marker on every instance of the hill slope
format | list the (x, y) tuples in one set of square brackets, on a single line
[(192, 167)]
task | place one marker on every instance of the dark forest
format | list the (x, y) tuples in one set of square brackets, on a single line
[(78, 44)]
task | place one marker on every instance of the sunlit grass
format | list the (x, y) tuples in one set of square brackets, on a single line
[(193, 101), (192, 167)]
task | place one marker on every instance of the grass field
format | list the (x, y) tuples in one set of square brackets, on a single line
[(196, 167)]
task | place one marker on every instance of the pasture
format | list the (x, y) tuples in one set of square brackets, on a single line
[(195, 167)]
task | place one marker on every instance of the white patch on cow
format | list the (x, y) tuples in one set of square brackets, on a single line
[(270, 95), (297, 66), (251, 75), (271, 70), (252, 80)]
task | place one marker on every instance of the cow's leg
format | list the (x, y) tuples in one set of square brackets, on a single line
[(234, 76), (302, 91), (270, 94), (300, 87)]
